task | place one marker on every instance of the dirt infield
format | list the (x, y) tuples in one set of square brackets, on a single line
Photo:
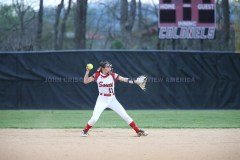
[(120, 144)]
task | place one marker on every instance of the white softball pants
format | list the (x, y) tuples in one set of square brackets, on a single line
[(111, 102)]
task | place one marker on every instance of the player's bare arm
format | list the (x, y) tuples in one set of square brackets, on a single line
[(87, 79), (124, 79), (141, 81)]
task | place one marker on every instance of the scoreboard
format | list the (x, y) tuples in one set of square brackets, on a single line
[(187, 19)]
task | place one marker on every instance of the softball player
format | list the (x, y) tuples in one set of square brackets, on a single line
[(105, 79)]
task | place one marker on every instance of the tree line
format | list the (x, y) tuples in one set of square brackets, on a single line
[(109, 24)]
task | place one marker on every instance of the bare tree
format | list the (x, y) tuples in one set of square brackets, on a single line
[(97, 27), (60, 24), (109, 36), (39, 26), (127, 19), (124, 15), (63, 25), (128, 12), (140, 16), (140, 21), (21, 9), (80, 24), (132, 15), (56, 24), (226, 22), (112, 12), (218, 12)]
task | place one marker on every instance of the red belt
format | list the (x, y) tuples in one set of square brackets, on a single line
[(108, 95)]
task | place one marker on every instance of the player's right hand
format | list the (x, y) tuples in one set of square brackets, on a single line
[(89, 66), (87, 70)]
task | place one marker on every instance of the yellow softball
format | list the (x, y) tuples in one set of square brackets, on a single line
[(89, 66)]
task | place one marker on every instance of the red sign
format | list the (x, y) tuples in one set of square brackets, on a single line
[(187, 19)]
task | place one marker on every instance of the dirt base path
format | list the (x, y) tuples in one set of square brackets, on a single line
[(120, 144)]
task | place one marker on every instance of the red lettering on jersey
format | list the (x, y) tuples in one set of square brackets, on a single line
[(105, 85)]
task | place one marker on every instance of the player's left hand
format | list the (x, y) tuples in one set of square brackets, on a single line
[(141, 82)]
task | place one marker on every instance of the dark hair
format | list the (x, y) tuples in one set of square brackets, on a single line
[(103, 64)]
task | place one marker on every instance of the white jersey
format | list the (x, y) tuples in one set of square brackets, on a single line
[(106, 83), (107, 98)]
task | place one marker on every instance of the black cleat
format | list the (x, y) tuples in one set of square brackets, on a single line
[(142, 133), (85, 133)]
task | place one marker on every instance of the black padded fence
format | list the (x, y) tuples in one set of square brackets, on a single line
[(176, 80)]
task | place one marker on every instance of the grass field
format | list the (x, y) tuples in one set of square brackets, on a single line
[(109, 119)]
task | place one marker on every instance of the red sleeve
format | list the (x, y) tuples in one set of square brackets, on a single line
[(115, 76), (96, 75)]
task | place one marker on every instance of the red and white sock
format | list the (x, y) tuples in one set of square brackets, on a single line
[(87, 127), (134, 126)]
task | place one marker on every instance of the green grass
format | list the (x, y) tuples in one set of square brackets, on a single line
[(109, 119)]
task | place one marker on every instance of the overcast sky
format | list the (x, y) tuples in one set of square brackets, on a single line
[(35, 3)]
